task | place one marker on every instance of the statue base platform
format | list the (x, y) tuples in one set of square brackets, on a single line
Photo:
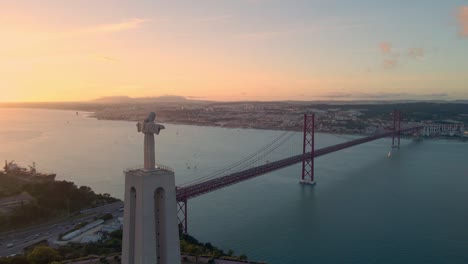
[(150, 232)]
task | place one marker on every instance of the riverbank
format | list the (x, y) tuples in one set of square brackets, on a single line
[(295, 129), (331, 117)]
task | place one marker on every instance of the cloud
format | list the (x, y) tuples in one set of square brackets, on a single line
[(438, 95), (20, 37), (338, 95), (385, 48), (408, 96), (462, 17), (387, 96), (114, 27), (106, 58), (416, 53), (99, 29), (389, 63), (391, 58), (301, 30), (265, 35), (221, 18)]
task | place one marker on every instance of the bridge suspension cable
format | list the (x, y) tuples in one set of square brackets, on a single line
[(265, 154), (247, 161)]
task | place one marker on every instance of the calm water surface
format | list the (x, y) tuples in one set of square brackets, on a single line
[(366, 208)]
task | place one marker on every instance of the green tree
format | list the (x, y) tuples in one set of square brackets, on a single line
[(183, 246), (43, 255), (198, 252), (103, 260), (19, 260), (243, 257), (117, 234), (217, 254)]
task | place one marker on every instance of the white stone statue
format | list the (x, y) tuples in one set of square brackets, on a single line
[(149, 128)]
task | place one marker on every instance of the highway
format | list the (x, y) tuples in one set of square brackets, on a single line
[(50, 232)]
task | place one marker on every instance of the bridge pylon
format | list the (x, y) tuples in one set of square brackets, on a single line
[(396, 129), (308, 146)]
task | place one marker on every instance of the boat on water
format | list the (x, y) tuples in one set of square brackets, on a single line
[(13, 169)]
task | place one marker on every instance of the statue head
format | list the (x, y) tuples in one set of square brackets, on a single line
[(148, 126), (151, 117)]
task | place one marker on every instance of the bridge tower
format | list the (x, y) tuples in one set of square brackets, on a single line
[(396, 129), (182, 214), (308, 147)]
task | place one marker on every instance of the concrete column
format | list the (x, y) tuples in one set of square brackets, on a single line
[(149, 152), (150, 203)]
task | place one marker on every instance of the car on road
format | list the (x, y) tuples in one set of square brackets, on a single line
[(10, 245)]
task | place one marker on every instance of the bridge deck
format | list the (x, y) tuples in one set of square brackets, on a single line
[(191, 191)]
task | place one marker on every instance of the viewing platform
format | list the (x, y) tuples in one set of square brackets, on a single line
[(156, 168)]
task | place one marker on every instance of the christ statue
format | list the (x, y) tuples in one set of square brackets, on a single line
[(149, 128)]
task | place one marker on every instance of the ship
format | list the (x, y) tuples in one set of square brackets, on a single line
[(13, 169)]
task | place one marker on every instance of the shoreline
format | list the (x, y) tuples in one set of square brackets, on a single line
[(93, 115)]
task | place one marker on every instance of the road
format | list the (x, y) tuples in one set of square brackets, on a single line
[(50, 232)]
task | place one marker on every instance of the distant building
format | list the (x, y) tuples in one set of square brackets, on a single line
[(453, 129)]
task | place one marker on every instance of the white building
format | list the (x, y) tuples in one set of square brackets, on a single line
[(456, 129)]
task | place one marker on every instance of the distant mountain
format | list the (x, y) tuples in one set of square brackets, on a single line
[(127, 99), (164, 98), (114, 99)]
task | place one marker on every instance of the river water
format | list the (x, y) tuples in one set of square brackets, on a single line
[(365, 208)]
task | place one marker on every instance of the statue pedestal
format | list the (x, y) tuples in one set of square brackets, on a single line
[(150, 219)]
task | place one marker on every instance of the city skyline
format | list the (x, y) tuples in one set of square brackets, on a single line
[(234, 50)]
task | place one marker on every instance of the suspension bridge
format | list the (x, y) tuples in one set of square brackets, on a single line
[(247, 168)]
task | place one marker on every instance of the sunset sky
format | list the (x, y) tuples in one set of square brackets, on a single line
[(55, 50)]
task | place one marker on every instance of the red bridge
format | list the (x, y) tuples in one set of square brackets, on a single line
[(186, 192)]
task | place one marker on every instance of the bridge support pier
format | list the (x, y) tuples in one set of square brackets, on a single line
[(182, 215), (308, 145), (396, 129)]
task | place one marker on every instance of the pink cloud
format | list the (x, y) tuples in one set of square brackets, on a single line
[(125, 25), (463, 20), (390, 58), (385, 48)]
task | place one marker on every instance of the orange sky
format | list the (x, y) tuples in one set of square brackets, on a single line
[(52, 51)]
